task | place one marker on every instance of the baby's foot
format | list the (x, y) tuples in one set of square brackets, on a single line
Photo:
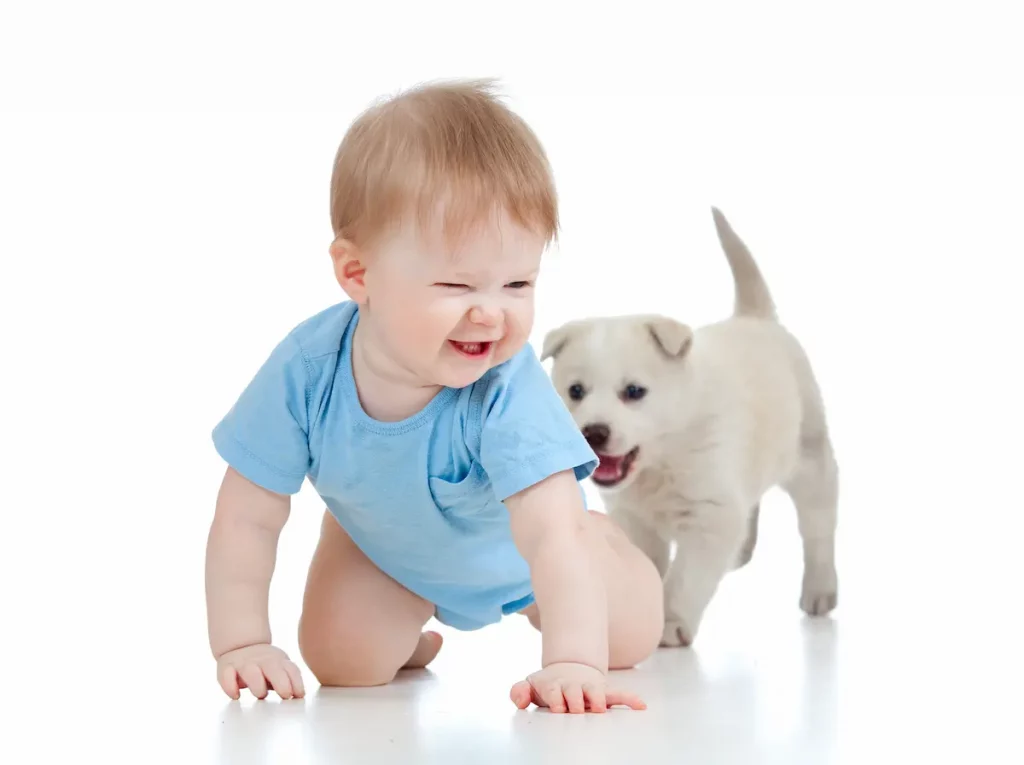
[(426, 651)]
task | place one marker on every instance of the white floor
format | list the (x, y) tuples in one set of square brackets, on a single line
[(912, 664)]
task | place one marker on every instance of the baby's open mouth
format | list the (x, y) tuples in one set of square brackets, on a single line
[(472, 350), (613, 469)]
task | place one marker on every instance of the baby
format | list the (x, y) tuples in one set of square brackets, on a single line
[(448, 464)]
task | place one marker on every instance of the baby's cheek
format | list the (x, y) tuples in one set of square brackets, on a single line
[(511, 344), (420, 318), (520, 324)]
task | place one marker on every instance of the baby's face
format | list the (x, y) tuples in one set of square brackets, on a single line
[(449, 316)]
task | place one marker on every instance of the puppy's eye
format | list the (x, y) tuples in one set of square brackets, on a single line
[(576, 392), (633, 392)]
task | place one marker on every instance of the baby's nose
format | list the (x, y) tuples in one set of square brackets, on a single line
[(489, 317)]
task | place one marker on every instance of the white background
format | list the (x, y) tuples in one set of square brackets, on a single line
[(164, 174)]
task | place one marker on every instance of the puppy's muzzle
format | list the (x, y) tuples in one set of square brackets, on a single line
[(597, 436)]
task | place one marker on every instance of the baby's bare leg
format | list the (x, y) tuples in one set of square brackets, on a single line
[(635, 601), (359, 626)]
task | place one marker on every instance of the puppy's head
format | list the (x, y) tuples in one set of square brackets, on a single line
[(624, 380)]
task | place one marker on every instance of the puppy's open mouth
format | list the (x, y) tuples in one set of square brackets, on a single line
[(613, 469)]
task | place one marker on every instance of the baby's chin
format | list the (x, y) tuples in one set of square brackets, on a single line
[(454, 378), (460, 375)]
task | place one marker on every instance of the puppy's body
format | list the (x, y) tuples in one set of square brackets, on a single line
[(693, 427)]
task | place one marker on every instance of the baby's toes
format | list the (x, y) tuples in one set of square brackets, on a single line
[(426, 651)]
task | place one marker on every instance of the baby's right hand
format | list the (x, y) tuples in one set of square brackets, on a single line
[(259, 668)]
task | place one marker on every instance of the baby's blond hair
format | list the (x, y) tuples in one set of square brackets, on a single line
[(451, 147)]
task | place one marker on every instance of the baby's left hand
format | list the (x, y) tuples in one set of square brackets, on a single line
[(575, 688)]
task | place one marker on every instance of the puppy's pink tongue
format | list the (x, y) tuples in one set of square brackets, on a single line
[(609, 469)]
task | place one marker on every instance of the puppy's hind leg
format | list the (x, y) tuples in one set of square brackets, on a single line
[(814, 489)]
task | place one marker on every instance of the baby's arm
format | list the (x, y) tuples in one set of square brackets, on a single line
[(549, 527), (556, 536), (240, 556)]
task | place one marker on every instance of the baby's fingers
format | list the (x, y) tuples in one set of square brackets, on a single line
[(296, 677), (595, 698), (622, 698), (279, 680), (252, 675), (228, 679), (551, 695), (573, 694), (521, 694)]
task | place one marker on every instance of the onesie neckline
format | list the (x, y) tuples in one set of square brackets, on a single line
[(383, 427)]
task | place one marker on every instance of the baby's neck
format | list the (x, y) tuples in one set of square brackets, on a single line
[(387, 392)]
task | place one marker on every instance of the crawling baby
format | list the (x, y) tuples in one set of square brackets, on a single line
[(449, 466)]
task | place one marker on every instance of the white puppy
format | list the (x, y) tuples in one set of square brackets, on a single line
[(693, 427)]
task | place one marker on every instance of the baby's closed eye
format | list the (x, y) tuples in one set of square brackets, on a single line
[(516, 285)]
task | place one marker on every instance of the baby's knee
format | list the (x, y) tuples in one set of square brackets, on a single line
[(348, 675), (345, 666), (347, 660), (637, 644)]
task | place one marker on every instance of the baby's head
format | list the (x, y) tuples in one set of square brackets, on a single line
[(442, 203)]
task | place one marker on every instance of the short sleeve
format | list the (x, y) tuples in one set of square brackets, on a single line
[(264, 436), (527, 433)]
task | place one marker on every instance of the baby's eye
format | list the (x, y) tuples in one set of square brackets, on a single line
[(450, 285), (517, 285)]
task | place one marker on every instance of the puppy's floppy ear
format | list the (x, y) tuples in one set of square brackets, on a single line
[(673, 337), (556, 339)]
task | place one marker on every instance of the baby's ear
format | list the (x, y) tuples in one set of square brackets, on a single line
[(672, 337), (555, 340), (349, 269)]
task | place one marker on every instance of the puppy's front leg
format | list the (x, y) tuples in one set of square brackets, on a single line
[(709, 535)]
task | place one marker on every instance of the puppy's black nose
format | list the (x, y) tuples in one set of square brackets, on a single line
[(597, 435)]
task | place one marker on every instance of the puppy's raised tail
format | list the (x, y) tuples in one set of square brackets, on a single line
[(752, 295)]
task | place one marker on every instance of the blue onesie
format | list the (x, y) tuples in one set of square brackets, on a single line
[(422, 498)]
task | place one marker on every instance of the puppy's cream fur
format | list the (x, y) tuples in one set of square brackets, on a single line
[(731, 410)]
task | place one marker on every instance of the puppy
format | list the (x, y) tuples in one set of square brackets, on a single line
[(693, 427)]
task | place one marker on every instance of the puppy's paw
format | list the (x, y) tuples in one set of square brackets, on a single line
[(819, 595), (676, 634)]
